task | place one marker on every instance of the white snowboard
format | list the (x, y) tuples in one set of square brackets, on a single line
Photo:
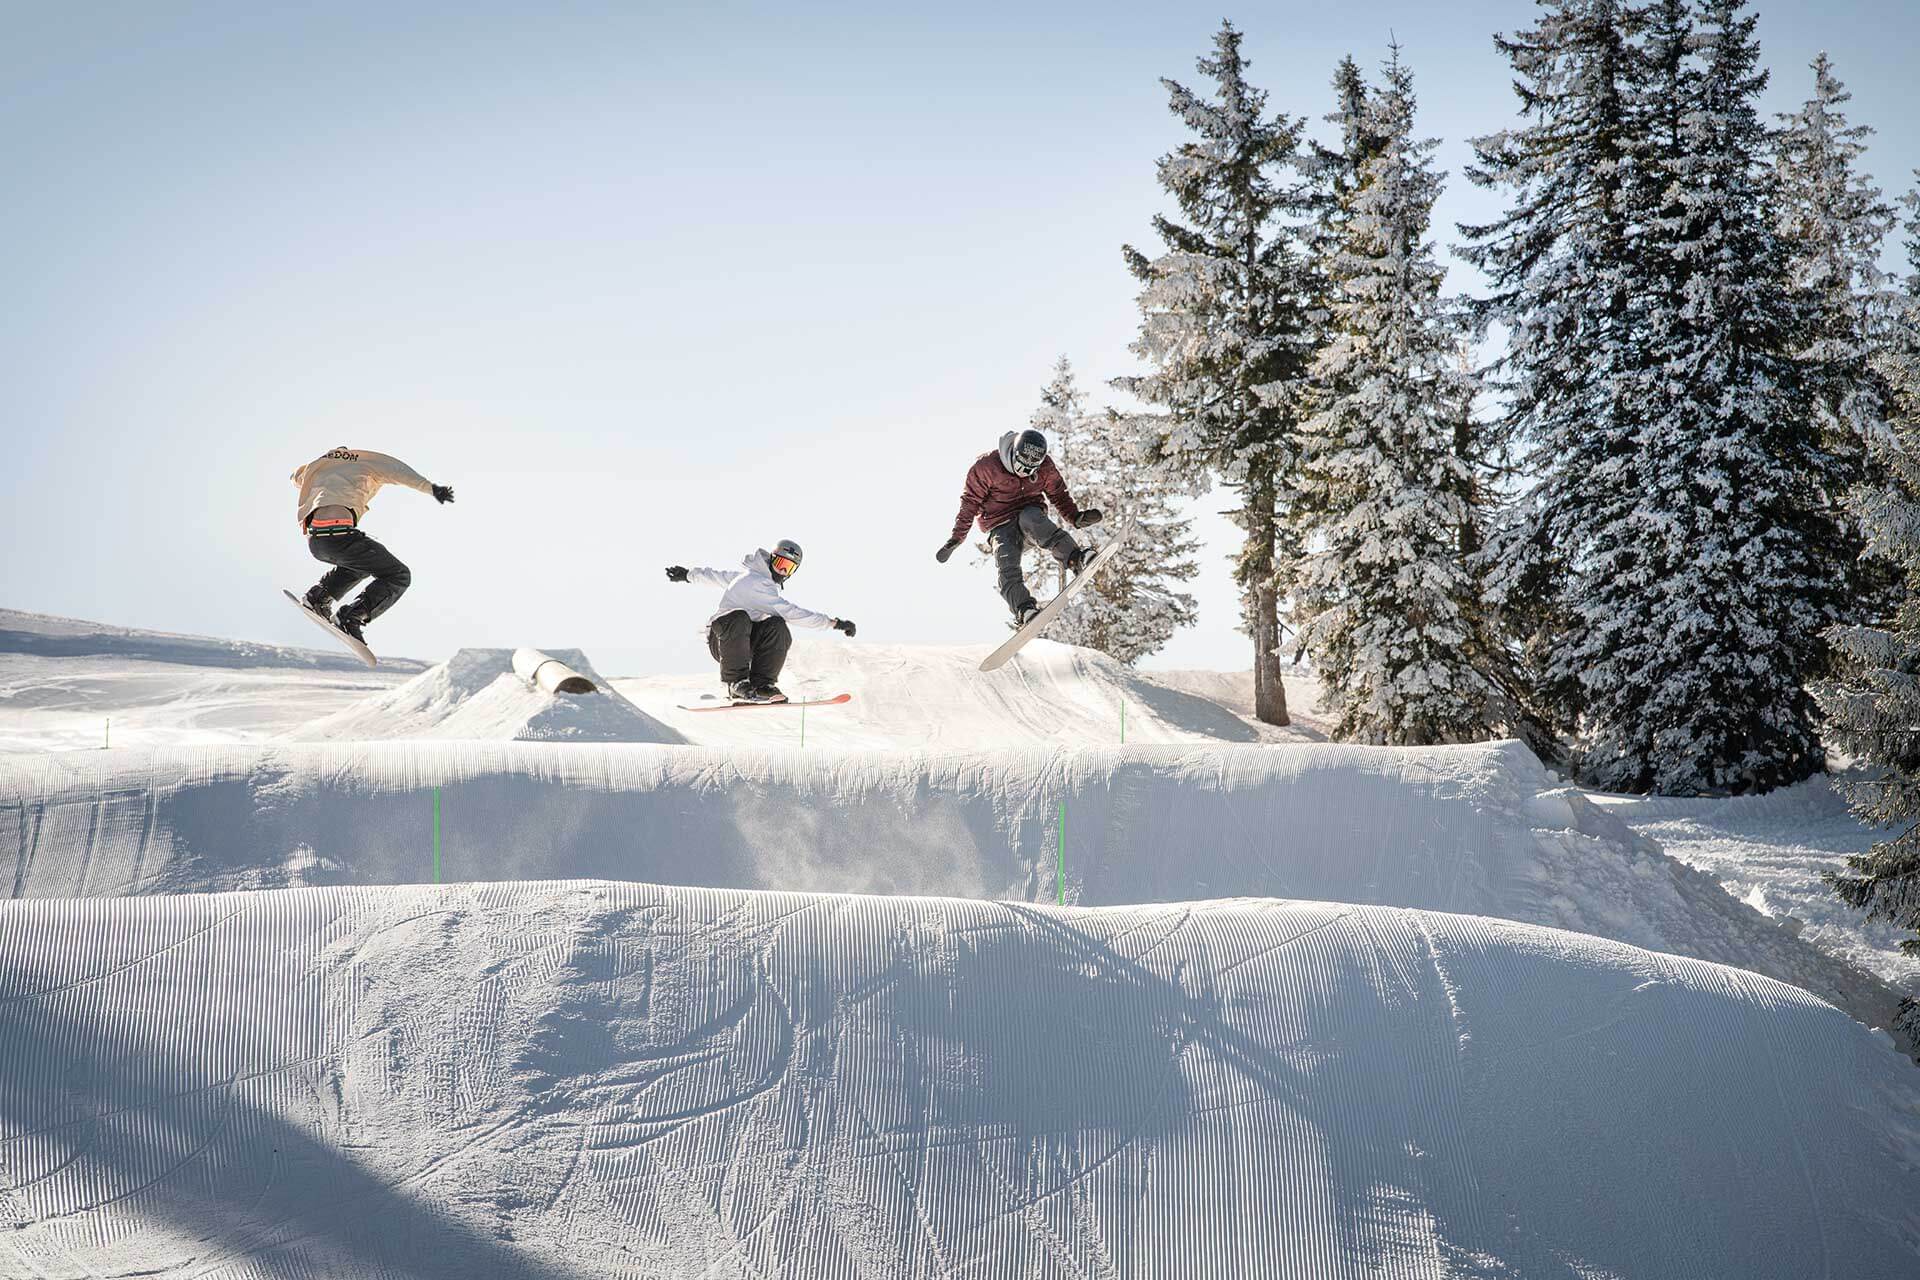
[(360, 650), (998, 657)]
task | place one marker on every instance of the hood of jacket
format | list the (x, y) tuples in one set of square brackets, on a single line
[(1007, 442), (755, 561)]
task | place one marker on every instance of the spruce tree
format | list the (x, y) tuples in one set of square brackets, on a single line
[(1563, 276), (1699, 599), (1133, 607), (1834, 221), (1225, 324), (1390, 607), (1872, 703)]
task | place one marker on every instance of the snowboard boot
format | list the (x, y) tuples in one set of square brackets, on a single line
[(350, 623), (318, 602), (745, 691), (1024, 614), (1075, 562), (768, 691)]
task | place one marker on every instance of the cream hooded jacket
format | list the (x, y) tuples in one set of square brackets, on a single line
[(349, 478), (751, 587)]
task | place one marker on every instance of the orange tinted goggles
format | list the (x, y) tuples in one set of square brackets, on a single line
[(785, 566)]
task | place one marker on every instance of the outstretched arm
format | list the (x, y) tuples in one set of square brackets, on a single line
[(800, 617), (393, 471), (713, 577)]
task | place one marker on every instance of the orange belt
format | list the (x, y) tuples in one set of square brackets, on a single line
[(329, 528)]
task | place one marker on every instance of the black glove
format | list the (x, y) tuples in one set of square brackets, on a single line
[(942, 554), (1090, 516), (443, 493), (676, 573), (842, 624)]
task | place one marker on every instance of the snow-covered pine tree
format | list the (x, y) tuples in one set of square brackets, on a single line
[(1835, 221), (1563, 272), (1390, 607), (1334, 176), (1133, 608), (1872, 703), (1899, 340), (1225, 323), (1699, 595)]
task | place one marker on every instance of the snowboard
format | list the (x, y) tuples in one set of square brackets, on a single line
[(360, 650), (716, 703), (1051, 610)]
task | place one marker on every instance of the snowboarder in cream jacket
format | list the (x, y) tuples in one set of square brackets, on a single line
[(336, 489), (748, 635), (1007, 491)]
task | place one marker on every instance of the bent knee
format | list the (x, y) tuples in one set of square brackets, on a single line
[(400, 576)]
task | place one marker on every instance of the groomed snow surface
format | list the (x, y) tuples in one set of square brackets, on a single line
[(695, 1005)]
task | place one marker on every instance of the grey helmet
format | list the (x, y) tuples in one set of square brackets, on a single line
[(1028, 452), (788, 550)]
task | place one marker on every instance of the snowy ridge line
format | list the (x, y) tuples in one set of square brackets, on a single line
[(45, 636), (1480, 830), (582, 1079)]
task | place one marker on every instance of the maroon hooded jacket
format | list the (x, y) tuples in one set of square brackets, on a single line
[(995, 495)]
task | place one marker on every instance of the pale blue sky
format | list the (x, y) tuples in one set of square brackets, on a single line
[(646, 284)]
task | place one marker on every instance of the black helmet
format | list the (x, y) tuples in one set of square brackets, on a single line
[(784, 560), (1029, 451)]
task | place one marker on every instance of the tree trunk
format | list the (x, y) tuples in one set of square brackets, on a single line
[(1269, 694)]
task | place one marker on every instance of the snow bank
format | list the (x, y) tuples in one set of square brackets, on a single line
[(584, 1080), (1771, 852), (477, 694), (1479, 829)]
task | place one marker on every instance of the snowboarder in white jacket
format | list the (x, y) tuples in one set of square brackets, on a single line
[(336, 489), (748, 635)]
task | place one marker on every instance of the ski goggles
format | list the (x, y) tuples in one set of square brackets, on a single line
[(784, 566)]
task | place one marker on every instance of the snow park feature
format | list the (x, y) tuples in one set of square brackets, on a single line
[(550, 674), (517, 984), (481, 694)]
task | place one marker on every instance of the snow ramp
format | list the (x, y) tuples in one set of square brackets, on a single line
[(477, 694), (936, 697), (592, 1080), (1479, 829)]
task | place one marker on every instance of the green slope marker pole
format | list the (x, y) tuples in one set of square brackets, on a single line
[(109, 733), (436, 835), (1060, 867)]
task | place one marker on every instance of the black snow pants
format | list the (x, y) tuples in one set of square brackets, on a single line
[(355, 556), (1010, 544), (746, 649)]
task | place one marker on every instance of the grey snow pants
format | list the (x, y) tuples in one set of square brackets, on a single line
[(1010, 544)]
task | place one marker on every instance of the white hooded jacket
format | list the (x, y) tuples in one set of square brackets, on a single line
[(755, 591), (346, 477)]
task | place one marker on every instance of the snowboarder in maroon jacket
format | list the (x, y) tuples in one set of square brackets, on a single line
[(1007, 492)]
